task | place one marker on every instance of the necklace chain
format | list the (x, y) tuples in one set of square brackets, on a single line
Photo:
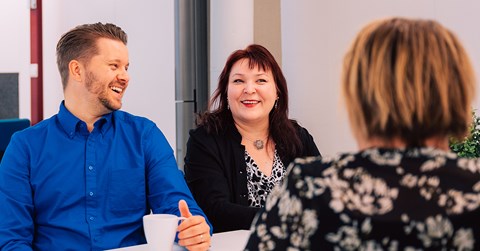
[(258, 143)]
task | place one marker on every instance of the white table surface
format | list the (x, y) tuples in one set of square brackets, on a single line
[(226, 241)]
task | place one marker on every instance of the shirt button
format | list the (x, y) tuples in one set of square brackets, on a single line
[(92, 218), (241, 172), (91, 193), (90, 168)]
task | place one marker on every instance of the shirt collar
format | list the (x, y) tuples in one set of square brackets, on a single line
[(70, 123), (105, 122)]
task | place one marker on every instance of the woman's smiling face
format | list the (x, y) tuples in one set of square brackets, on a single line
[(252, 93)]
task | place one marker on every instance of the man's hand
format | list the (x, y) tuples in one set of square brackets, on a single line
[(194, 232)]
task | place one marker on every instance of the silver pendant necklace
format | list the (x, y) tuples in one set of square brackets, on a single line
[(258, 144)]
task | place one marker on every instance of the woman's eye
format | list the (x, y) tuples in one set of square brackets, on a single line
[(238, 81), (262, 80)]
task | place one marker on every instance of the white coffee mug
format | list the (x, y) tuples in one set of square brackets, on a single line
[(160, 231)]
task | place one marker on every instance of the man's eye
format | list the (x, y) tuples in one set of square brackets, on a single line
[(114, 66)]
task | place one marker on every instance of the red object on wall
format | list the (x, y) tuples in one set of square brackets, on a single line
[(36, 57)]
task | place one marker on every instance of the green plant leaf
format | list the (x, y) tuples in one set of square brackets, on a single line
[(470, 146)]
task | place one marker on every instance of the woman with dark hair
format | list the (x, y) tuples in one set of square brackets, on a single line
[(408, 86), (243, 143)]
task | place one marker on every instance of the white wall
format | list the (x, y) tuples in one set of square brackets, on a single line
[(150, 28), (15, 47), (315, 34), (231, 28)]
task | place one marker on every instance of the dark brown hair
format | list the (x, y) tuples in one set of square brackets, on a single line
[(409, 79), (281, 128), (80, 44)]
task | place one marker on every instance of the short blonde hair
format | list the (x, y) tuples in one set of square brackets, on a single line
[(409, 79), (80, 44)]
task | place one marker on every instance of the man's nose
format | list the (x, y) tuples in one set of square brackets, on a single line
[(123, 77)]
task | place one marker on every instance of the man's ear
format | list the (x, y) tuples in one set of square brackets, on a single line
[(76, 70)]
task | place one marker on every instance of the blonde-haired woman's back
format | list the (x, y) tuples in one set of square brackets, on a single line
[(408, 86)]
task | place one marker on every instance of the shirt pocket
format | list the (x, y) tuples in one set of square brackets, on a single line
[(127, 189)]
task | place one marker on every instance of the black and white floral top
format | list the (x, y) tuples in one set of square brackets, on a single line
[(259, 185), (377, 199)]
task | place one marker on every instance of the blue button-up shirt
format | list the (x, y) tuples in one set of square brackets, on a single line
[(65, 188)]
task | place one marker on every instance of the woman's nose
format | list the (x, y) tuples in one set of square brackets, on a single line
[(249, 88)]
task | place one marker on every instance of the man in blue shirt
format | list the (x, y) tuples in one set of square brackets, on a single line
[(84, 178)]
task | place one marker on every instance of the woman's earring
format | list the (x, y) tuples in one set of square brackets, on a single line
[(228, 105), (276, 103)]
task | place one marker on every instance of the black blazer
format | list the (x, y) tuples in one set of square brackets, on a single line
[(215, 171)]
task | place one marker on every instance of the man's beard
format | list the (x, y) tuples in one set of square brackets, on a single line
[(90, 82)]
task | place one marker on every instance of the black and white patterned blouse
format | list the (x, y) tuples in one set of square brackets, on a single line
[(377, 199), (259, 185)]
